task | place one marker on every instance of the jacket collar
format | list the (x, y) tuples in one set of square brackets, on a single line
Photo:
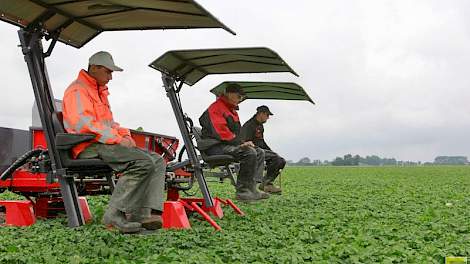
[(91, 82), (225, 101), (256, 120)]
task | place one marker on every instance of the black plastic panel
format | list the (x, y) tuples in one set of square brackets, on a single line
[(13, 144)]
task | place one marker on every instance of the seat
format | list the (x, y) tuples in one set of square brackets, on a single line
[(212, 160), (66, 141)]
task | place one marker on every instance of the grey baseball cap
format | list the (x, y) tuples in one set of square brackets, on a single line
[(103, 58)]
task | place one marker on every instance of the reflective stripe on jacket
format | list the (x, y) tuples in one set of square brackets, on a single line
[(86, 110), (220, 121)]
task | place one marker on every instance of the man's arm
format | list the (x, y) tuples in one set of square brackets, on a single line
[(79, 117), (262, 144), (248, 131)]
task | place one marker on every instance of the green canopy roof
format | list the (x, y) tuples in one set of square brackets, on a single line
[(190, 66), (79, 21), (268, 90)]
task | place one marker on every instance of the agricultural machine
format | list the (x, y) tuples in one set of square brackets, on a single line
[(37, 163), (181, 67), (50, 174)]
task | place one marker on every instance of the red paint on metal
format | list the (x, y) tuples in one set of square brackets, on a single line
[(18, 213), (174, 216), (206, 216), (87, 216)]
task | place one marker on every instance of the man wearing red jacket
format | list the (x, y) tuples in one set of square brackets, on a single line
[(140, 187), (221, 126)]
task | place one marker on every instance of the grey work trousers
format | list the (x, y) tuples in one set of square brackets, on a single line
[(274, 163), (251, 162), (142, 180)]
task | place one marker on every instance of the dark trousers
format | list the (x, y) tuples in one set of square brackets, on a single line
[(274, 163), (251, 162)]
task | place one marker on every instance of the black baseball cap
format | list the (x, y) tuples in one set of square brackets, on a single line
[(264, 109)]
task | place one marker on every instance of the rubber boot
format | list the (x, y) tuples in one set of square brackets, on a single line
[(148, 220), (259, 194), (115, 218), (270, 188), (245, 195)]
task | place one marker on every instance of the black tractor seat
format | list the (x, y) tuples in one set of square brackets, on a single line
[(211, 160), (66, 141), (217, 160), (223, 161)]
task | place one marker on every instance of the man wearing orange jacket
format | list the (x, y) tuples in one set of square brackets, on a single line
[(139, 190)]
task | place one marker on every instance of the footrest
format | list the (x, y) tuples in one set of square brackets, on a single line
[(174, 216), (174, 212), (16, 213)]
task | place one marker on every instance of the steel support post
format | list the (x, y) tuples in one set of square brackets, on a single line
[(169, 84), (31, 45)]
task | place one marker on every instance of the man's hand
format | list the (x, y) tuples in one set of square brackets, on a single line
[(127, 141), (247, 144)]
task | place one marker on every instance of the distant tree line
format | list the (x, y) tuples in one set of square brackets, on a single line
[(451, 160), (374, 160)]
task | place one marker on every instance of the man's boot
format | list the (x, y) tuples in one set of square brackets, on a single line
[(244, 193), (149, 220), (115, 218), (259, 194), (270, 188)]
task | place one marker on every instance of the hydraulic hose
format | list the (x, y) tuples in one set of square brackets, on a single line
[(19, 162), (180, 155)]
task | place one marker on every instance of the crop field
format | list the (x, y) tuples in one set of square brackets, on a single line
[(326, 215)]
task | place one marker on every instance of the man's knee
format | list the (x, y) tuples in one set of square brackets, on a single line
[(282, 162), (249, 153), (145, 165), (158, 160)]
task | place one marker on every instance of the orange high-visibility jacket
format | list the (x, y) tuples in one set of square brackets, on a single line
[(86, 110)]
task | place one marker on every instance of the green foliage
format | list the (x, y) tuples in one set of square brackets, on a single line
[(326, 215)]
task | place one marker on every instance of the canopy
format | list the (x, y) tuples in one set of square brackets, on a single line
[(79, 21), (268, 90), (190, 66)]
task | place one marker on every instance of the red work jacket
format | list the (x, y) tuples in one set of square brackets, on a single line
[(221, 122)]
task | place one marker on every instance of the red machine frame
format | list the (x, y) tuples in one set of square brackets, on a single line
[(44, 199)]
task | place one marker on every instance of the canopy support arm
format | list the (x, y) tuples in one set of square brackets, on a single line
[(30, 39), (171, 90)]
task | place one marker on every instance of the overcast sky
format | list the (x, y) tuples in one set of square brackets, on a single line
[(390, 78)]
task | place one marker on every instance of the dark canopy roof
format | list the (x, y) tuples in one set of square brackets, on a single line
[(191, 66), (268, 90), (82, 20)]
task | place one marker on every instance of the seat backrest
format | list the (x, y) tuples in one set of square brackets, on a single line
[(58, 122), (197, 131)]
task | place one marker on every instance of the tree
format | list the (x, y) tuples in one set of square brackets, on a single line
[(451, 160), (304, 162), (338, 162)]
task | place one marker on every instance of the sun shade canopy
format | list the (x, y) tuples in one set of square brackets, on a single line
[(268, 90), (80, 21), (190, 66)]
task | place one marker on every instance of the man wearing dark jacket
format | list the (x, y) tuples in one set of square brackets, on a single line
[(253, 131), (220, 132)]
